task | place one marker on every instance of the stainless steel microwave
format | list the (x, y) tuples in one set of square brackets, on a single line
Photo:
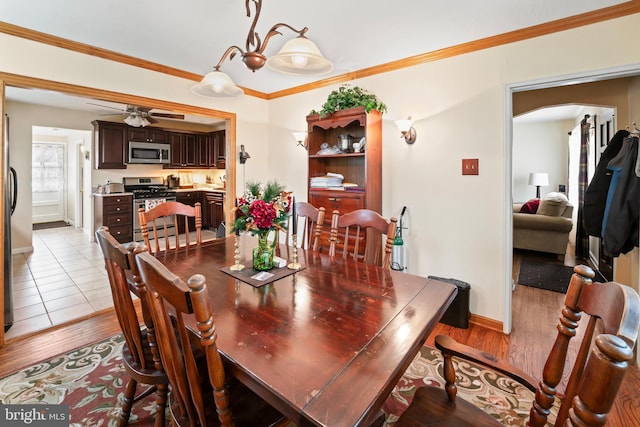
[(149, 152)]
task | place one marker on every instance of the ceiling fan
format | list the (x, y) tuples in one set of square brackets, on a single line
[(137, 116)]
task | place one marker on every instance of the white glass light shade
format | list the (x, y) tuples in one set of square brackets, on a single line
[(300, 136), (216, 84), (300, 56), (539, 179), (136, 120), (404, 125)]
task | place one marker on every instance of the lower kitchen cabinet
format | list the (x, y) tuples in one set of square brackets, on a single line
[(214, 212), (189, 198), (116, 212)]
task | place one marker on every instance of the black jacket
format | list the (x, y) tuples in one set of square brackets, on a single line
[(621, 230), (595, 197)]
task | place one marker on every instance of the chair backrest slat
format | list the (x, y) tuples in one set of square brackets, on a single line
[(166, 217), (122, 273), (605, 349), (309, 225), (171, 298), (358, 235)]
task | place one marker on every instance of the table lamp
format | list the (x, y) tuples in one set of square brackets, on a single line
[(539, 180)]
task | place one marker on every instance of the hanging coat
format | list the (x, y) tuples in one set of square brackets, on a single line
[(620, 234), (596, 195)]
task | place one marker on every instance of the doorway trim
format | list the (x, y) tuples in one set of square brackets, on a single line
[(510, 89)]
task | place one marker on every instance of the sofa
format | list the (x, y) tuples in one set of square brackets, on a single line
[(543, 226)]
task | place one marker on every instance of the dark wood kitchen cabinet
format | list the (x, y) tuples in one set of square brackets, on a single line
[(206, 151), (220, 145), (189, 198), (214, 211), (148, 135), (111, 145), (183, 150), (116, 212)]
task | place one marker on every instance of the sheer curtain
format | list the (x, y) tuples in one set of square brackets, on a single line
[(47, 167)]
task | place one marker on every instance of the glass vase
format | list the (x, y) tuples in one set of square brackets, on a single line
[(263, 253)]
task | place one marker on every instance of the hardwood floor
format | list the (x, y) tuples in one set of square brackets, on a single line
[(535, 315)]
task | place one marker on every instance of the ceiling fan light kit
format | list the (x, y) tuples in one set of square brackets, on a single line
[(298, 56), (136, 120)]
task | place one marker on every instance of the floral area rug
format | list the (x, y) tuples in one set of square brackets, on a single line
[(92, 381), (499, 396)]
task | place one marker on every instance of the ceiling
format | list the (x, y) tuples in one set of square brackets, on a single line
[(192, 35)]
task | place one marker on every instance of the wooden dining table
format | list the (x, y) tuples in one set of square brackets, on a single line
[(325, 345)]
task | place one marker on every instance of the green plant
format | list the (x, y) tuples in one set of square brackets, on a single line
[(347, 96)]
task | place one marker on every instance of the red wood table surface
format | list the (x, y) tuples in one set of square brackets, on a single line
[(325, 345)]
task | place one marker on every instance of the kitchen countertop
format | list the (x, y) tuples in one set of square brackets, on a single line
[(110, 194), (207, 189)]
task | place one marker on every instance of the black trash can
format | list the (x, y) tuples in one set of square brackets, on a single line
[(457, 315)]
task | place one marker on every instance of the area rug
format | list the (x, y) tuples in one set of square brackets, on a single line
[(544, 275), (92, 381)]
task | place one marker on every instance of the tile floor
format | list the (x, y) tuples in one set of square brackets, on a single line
[(62, 279)]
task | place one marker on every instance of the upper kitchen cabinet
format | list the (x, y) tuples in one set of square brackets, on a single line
[(147, 135), (110, 145), (183, 150), (220, 145)]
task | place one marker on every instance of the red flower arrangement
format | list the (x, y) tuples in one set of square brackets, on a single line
[(262, 209)]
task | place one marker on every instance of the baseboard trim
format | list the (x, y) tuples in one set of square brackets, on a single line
[(485, 322)]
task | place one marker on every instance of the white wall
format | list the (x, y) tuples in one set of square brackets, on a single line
[(540, 147), (458, 224)]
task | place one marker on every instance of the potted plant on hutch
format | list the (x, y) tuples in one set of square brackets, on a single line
[(349, 115)]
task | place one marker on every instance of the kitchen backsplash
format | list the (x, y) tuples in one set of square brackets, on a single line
[(199, 176)]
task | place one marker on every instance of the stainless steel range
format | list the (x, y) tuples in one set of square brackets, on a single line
[(147, 192)]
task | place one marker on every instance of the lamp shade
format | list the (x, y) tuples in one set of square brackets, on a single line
[(300, 56), (539, 179), (404, 125), (136, 120), (216, 84)]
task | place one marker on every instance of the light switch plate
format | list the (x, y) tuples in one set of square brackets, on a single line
[(469, 166)]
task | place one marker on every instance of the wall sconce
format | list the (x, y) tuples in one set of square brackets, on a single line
[(243, 155), (302, 139), (407, 130)]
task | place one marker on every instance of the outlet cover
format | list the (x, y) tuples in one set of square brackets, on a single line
[(469, 166)]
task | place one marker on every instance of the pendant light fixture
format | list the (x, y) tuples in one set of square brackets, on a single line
[(298, 56)]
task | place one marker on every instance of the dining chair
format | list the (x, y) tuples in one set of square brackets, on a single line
[(163, 222), (309, 226), (603, 355), (358, 235), (201, 394), (140, 359)]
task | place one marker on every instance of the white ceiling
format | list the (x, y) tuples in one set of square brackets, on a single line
[(192, 35)]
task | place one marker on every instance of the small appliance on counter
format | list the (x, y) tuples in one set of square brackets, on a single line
[(173, 181), (185, 179), (113, 187)]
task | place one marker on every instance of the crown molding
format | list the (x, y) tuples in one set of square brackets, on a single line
[(612, 12)]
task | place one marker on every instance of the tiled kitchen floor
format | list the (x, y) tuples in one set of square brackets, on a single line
[(61, 280)]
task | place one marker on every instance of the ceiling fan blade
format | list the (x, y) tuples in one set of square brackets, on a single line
[(106, 106), (168, 115)]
